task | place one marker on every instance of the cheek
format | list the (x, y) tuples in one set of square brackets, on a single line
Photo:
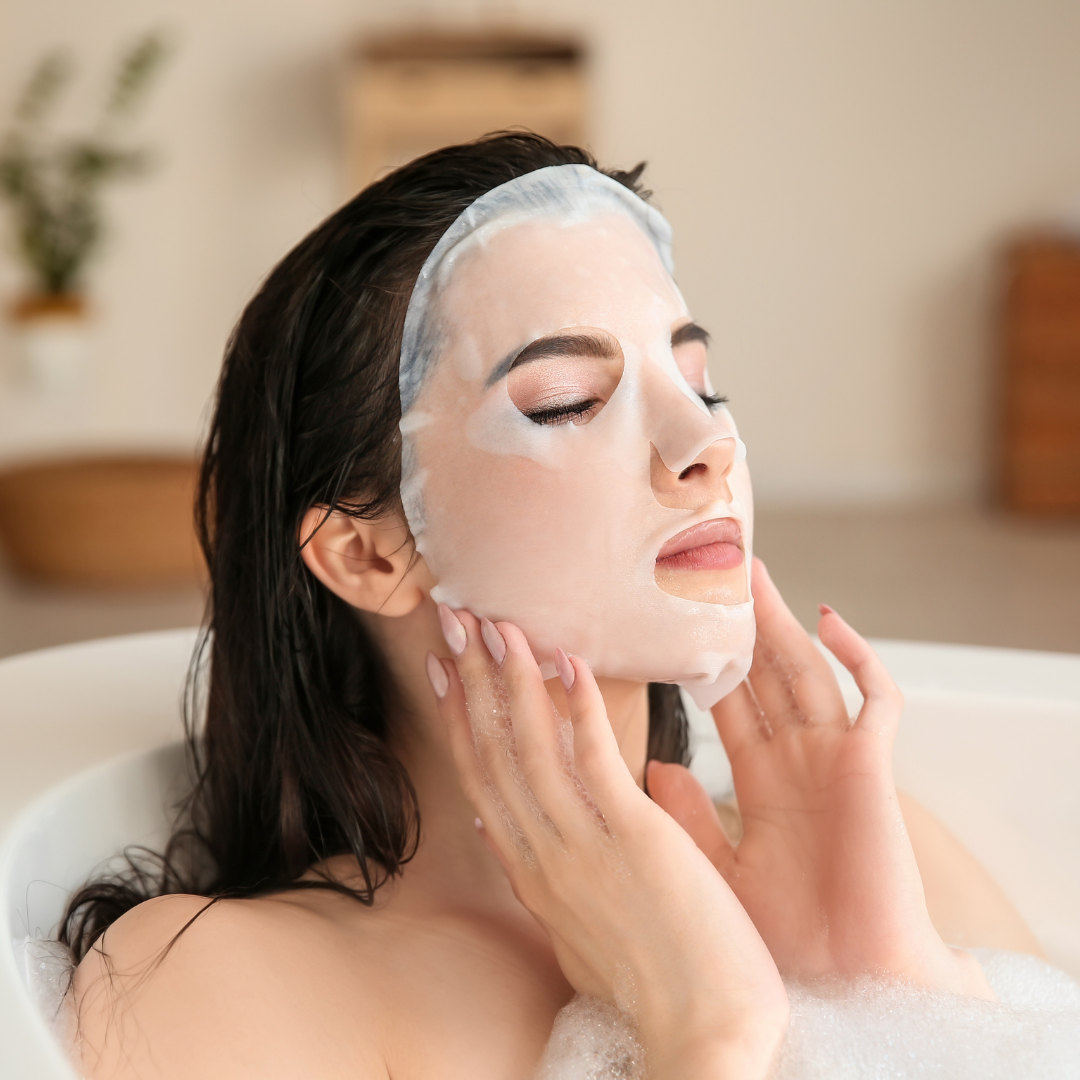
[(509, 503), (743, 492)]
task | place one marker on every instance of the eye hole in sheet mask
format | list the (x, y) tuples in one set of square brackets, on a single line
[(566, 377), (689, 347)]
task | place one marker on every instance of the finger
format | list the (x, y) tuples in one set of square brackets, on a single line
[(597, 757), (791, 680), (883, 703), (543, 739), (676, 790), (488, 710), (450, 698), (740, 721), (478, 670)]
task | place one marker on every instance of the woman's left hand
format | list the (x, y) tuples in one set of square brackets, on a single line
[(824, 868)]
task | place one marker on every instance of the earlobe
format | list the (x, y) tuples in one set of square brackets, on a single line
[(370, 564)]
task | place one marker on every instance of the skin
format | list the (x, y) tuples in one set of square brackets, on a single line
[(460, 967), (448, 952)]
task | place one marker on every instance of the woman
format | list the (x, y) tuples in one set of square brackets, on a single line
[(366, 743)]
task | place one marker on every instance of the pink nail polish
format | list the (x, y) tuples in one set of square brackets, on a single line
[(825, 609), (565, 670), (452, 630), (437, 676), (494, 640), (478, 823)]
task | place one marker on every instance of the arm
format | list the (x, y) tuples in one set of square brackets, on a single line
[(966, 905)]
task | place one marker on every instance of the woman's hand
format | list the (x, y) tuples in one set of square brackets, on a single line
[(824, 868), (636, 913)]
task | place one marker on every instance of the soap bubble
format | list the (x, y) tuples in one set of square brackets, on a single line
[(873, 1029)]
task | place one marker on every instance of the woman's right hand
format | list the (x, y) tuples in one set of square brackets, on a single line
[(636, 913)]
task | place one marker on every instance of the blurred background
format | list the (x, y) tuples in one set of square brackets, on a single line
[(876, 211)]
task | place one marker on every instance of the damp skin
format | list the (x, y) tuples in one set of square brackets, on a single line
[(542, 483)]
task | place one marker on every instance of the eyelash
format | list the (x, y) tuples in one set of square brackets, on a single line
[(563, 414)]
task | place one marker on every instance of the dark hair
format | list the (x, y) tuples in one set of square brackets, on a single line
[(292, 764)]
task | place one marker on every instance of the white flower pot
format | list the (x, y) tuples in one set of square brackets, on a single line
[(51, 339)]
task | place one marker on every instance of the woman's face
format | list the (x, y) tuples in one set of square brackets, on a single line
[(566, 472)]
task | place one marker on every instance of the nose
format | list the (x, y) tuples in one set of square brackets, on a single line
[(692, 451), (703, 481)]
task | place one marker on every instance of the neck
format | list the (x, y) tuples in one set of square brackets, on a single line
[(449, 844)]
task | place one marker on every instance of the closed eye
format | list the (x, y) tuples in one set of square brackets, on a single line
[(713, 401), (568, 412)]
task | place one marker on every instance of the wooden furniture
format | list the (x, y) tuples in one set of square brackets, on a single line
[(1040, 451), (118, 522), (411, 92)]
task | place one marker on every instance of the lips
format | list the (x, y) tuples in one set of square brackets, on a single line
[(711, 545)]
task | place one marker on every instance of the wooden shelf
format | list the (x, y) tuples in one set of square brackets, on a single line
[(408, 94), (1040, 451)]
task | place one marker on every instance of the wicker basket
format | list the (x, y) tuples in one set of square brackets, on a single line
[(119, 522)]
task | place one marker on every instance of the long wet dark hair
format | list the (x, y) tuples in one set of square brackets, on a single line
[(292, 764)]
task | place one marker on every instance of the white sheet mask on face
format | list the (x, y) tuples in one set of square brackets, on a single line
[(556, 526)]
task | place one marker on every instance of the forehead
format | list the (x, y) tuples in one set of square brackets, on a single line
[(530, 278)]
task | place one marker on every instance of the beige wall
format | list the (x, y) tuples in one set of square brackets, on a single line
[(840, 175)]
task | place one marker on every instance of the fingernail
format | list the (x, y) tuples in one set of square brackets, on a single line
[(565, 670), (452, 630), (825, 609), (437, 676), (493, 640), (479, 824)]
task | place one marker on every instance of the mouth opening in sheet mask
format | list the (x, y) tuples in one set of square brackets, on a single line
[(566, 465)]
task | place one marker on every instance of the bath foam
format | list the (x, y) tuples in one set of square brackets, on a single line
[(47, 968), (592, 1040), (872, 1028)]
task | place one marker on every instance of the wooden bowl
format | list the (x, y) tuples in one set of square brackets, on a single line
[(120, 522)]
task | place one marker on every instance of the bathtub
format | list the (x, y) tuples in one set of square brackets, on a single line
[(90, 762)]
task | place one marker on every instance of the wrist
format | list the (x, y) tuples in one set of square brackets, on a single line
[(973, 981), (727, 1051)]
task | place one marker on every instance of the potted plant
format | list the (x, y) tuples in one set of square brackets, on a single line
[(52, 186)]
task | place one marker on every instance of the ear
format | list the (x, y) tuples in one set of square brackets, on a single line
[(371, 565)]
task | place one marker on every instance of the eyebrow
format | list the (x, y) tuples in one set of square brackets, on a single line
[(690, 332), (597, 346)]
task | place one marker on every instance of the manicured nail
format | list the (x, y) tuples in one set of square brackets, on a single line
[(479, 824), (825, 609), (493, 639), (565, 670), (452, 630), (437, 676)]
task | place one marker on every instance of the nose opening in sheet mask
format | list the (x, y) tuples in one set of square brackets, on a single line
[(564, 464)]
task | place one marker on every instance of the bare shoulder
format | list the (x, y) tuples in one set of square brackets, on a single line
[(184, 987)]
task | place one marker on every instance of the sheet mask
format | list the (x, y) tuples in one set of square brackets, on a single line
[(557, 527)]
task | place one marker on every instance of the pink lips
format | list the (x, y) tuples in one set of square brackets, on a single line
[(712, 545)]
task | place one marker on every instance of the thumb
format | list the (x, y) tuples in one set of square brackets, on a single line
[(676, 790)]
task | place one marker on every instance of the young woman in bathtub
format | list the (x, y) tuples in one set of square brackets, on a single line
[(415, 859)]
